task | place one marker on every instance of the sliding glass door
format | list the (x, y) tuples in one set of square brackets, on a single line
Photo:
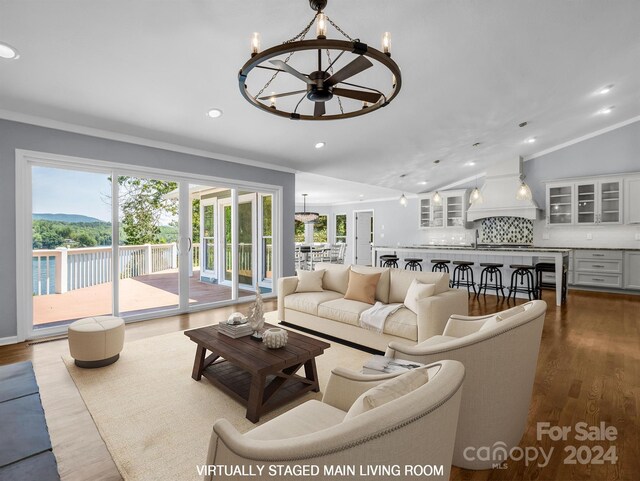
[(108, 240)]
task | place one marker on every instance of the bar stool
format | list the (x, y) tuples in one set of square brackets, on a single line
[(385, 257), (391, 261), (463, 275), (550, 267), (524, 272), (440, 265), (413, 263), (491, 278)]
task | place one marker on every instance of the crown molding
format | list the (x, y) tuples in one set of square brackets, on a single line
[(131, 139)]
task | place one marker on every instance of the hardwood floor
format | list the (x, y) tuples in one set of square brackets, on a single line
[(588, 370)]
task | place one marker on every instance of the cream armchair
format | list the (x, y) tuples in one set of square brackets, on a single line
[(415, 429), (500, 353)]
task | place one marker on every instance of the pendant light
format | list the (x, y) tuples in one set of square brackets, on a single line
[(437, 198), (524, 192), (476, 196), (403, 200), (304, 216)]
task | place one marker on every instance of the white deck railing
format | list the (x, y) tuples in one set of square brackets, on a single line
[(62, 270)]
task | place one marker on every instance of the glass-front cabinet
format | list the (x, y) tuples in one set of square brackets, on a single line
[(450, 211), (585, 202), (425, 212), (560, 204)]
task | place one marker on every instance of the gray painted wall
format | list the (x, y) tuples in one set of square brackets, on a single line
[(614, 152), (14, 135)]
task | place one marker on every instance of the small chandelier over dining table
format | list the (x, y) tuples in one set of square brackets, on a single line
[(327, 93), (304, 216)]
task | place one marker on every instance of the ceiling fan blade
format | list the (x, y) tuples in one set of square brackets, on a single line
[(283, 66), (319, 109), (267, 97), (371, 97), (352, 68)]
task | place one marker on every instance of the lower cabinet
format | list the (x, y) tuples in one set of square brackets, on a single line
[(598, 268), (632, 270)]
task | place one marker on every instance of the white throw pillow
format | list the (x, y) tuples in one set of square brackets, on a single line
[(310, 281), (494, 320), (417, 290), (388, 391)]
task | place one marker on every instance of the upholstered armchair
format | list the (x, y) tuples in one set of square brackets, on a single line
[(417, 428), (500, 353)]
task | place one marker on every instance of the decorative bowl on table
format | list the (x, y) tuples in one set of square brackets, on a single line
[(236, 318), (274, 338)]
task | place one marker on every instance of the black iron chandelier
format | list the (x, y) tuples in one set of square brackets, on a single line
[(322, 83)]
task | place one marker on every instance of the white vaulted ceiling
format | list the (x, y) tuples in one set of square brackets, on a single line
[(472, 71)]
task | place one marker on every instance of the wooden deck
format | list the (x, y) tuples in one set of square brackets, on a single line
[(137, 295)]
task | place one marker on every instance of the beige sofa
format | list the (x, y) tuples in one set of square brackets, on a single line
[(329, 313), (500, 358), (415, 429)]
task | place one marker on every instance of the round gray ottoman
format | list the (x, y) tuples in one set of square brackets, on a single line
[(96, 341)]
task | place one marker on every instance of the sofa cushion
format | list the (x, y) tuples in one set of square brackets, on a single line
[(362, 287), (433, 340), (309, 301), (417, 290), (310, 417), (388, 391), (343, 310), (336, 276), (401, 280), (310, 281), (382, 290), (402, 323), (509, 313)]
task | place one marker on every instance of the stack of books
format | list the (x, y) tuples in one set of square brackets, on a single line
[(235, 330), (381, 364)]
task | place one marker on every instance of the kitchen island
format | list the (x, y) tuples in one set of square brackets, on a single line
[(505, 255)]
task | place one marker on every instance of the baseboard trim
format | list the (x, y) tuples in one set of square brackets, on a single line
[(8, 340), (353, 345)]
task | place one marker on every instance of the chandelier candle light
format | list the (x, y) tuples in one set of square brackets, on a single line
[(330, 76)]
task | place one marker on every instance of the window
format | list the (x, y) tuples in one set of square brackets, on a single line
[(267, 237), (320, 229), (341, 228), (299, 232)]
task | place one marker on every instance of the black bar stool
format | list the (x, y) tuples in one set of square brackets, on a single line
[(390, 261), (491, 278), (385, 257), (550, 267), (524, 272), (463, 275), (440, 265), (413, 263)]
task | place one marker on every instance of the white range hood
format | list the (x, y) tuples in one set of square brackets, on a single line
[(499, 194)]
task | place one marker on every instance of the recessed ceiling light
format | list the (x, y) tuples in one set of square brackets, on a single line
[(606, 110), (214, 113), (471, 163), (319, 145), (424, 182), (531, 140), (8, 52), (605, 90)]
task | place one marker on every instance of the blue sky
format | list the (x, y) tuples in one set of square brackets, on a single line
[(59, 191)]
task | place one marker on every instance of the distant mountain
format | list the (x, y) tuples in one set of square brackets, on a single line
[(71, 218)]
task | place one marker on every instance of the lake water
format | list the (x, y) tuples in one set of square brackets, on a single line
[(43, 275)]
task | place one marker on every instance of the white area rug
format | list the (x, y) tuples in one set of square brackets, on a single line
[(155, 420)]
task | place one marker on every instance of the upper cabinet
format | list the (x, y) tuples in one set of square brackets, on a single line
[(632, 200), (451, 211), (590, 201)]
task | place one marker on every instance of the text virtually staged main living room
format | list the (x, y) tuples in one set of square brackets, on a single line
[(319, 239)]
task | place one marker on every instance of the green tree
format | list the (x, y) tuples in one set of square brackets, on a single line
[(143, 203), (299, 231)]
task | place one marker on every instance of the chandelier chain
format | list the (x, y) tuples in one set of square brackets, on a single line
[(340, 30), (300, 36), (331, 71)]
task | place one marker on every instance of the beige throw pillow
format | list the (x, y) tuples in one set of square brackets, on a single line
[(417, 290), (310, 281), (362, 287), (509, 313), (388, 391)]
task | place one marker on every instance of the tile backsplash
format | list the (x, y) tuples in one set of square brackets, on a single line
[(506, 230)]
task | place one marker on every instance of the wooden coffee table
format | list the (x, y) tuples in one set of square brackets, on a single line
[(261, 378)]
